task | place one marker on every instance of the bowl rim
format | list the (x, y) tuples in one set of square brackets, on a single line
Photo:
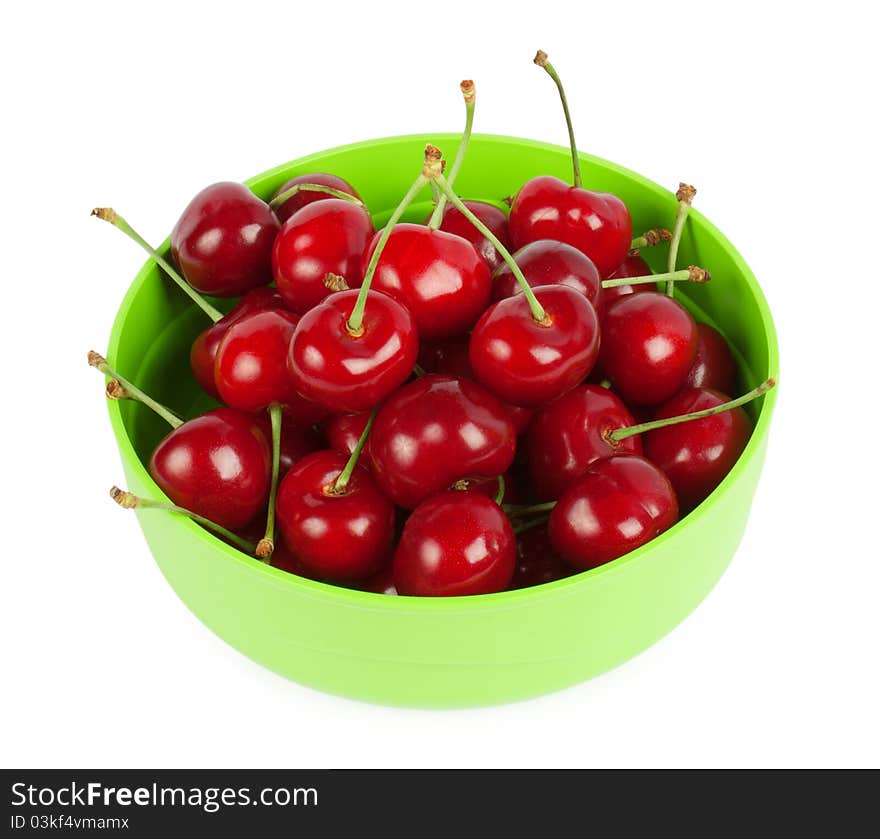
[(462, 603)]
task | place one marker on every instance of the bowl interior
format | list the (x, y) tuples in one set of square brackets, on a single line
[(157, 323)]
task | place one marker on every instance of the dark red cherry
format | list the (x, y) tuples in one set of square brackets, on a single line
[(204, 348), (632, 266), (438, 276), (537, 561), (343, 432), (381, 582), (619, 503), (596, 223), (296, 202), (250, 368), (547, 262), (297, 441), (569, 434), (527, 363), (337, 537), (713, 367), (450, 357), (350, 373), (325, 237), (649, 342), (434, 431), (223, 241), (696, 455), (489, 488), (492, 217), (455, 543), (216, 465)]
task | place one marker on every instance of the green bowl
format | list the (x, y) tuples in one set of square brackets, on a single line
[(457, 651)]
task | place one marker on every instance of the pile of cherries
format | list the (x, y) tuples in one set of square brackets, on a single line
[(418, 411)]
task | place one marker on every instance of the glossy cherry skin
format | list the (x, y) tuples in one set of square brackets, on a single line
[(343, 432), (381, 582), (438, 276), (348, 374), (323, 237), (696, 455), (492, 217), (632, 266), (547, 262), (713, 367), (204, 348), (455, 543), (537, 561), (619, 503), (596, 223), (452, 358), (301, 199), (434, 431), (569, 434), (525, 363), (216, 465), (223, 241), (337, 537), (250, 368), (489, 488), (649, 342)]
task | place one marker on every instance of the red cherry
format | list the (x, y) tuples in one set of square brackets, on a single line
[(492, 217), (537, 561), (435, 431), (489, 488), (296, 202), (249, 369), (649, 342), (569, 434), (619, 503), (223, 241), (438, 276), (350, 373), (338, 537), (325, 237), (547, 262), (596, 223), (381, 583), (713, 367), (204, 348), (216, 465), (527, 363), (343, 432), (632, 266), (696, 455), (296, 441), (455, 543)]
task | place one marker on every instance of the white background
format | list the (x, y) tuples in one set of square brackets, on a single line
[(766, 107)]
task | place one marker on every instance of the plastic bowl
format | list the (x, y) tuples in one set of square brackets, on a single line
[(458, 651)]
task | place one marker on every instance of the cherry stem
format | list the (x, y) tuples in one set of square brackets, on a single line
[(693, 273), (684, 196), (538, 312), (499, 496), (279, 199), (266, 545), (341, 482), (528, 525), (542, 61), (131, 391), (651, 237), (110, 215), (356, 319), (469, 92), (130, 501), (620, 434), (514, 511)]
